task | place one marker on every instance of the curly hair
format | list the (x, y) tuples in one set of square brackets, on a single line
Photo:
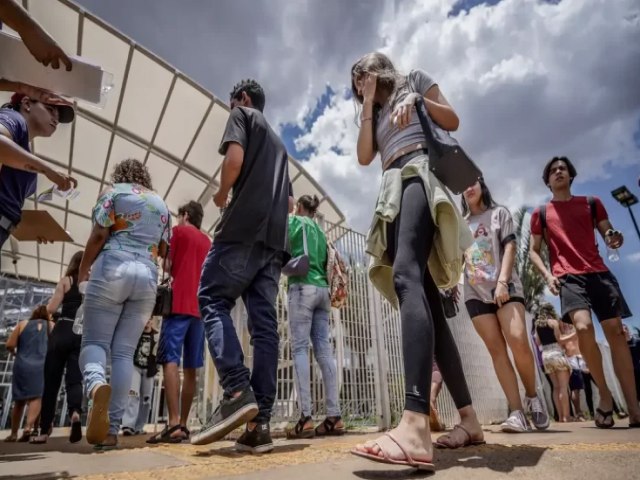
[(253, 90), (132, 171), (545, 312)]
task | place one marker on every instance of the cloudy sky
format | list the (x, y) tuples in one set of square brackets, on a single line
[(529, 79)]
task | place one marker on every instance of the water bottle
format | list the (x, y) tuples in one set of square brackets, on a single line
[(79, 320), (77, 323), (612, 253)]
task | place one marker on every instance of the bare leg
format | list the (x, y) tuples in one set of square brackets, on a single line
[(189, 376), (172, 395), (16, 416), (489, 330), (591, 352), (514, 328), (622, 364), (577, 407), (33, 412)]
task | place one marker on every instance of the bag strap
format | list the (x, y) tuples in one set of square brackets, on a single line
[(543, 222), (592, 208), (304, 239), (423, 116)]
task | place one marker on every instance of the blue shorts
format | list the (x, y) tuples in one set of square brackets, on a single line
[(180, 331)]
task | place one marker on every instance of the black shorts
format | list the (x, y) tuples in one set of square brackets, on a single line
[(576, 381), (599, 292), (478, 307)]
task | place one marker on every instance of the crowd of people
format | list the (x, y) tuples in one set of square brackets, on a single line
[(420, 244)]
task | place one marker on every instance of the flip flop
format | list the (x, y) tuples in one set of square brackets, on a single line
[(76, 432), (409, 462), (468, 442), (165, 436), (603, 423)]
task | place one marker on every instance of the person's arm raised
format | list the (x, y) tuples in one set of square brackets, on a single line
[(41, 45), (366, 149)]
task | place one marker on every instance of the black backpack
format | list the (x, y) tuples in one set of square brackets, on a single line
[(543, 218)]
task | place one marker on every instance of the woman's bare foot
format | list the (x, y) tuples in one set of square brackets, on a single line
[(412, 433), (467, 432)]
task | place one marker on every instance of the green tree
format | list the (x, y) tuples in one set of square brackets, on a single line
[(533, 283)]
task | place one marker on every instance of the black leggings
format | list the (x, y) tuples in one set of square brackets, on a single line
[(63, 351), (424, 326)]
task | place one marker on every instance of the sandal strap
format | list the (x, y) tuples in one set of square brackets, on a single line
[(407, 457), (464, 430), (300, 425)]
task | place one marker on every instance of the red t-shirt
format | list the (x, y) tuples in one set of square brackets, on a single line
[(571, 236), (189, 248)]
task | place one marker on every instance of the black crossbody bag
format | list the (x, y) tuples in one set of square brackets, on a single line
[(164, 295), (447, 159)]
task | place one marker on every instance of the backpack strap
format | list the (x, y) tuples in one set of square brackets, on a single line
[(592, 207), (543, 222)]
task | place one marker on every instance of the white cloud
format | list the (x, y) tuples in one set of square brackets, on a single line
[(529, 80)]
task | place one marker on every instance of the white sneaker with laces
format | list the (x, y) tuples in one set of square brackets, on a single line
[(538, 410), (516, 423)]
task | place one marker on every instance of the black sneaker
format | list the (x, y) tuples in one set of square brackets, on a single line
[(230, 414), (257, 440)]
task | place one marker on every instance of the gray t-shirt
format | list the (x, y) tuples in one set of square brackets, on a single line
[(390, 138), (491, 230), (259, 205)]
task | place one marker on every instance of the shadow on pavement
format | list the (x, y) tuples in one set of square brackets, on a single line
[(231, 452), (19, 452), (495, 457), (39, 476)]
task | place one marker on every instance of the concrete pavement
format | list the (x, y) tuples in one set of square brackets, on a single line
[(567, 451)]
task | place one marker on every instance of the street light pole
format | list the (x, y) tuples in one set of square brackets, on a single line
[(627, 199), (633, 219)]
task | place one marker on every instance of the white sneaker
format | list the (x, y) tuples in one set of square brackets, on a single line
[(538, 410), (516, 423)]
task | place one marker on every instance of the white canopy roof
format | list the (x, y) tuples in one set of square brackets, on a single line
[(154, 113)]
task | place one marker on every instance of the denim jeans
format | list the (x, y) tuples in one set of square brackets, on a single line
[(139, 404), (309, 308), (230, 271), (118, 303)]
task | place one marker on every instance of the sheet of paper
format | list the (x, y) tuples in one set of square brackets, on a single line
[(85, 81)]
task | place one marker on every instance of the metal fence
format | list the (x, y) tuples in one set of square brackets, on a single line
[(367, 341)]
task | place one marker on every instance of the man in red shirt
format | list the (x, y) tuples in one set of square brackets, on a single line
[(182, 332), (583, 281)]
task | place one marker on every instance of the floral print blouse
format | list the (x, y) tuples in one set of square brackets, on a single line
[(138, 219)]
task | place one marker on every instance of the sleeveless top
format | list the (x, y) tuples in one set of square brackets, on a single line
[(546, 335), (28, 367), (71, 300)]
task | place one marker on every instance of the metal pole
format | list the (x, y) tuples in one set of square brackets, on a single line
[(633, 219)]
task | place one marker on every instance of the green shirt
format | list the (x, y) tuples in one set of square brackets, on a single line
[(316, 248)]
